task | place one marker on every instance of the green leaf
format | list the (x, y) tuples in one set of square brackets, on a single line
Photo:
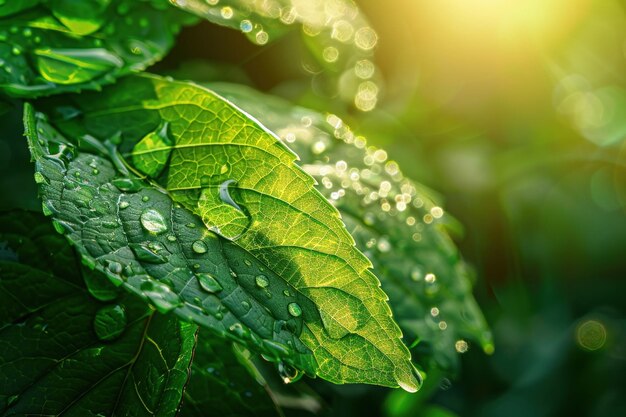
[(62, 351), (65, 45), (233, 173), (396, 222), (223, 383), (336, 32)]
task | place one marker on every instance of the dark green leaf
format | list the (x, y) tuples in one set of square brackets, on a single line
[(224, 166), (223, 383), (64, 45), (396, 222), (64, 352)]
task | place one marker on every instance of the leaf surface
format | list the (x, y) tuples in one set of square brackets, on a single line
[(64, 352), (244, 184), (223, 383), (398, 224), (63, 45)]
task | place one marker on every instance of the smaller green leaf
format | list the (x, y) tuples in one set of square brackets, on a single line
[(82, 356)]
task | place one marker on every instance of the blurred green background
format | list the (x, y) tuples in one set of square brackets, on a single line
[(515, 111)]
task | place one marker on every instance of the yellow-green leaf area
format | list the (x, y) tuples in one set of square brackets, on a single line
[(244, 184)]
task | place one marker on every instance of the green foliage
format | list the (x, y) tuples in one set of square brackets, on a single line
[(64, 351), (56, 46), (201, 247), (397, 223), (315, 276)]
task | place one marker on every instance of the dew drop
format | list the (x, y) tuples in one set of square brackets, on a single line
[(245, 26), (124, 204), (153, 221), (288, 373), (209, 283), (294, 309), (199, 247), (145, 198), (226, 12), (148, 252), (109, 322), (225, 194), (461, 346), (115, 267), (127, 185), (365, 38), (171, 238), (247, 262), (262, 281), (161, 296), (246, 305)]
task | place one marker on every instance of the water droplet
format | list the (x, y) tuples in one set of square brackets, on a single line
[(226, 12), (262, 281), (288, 373), (247, 262), (430, 278), (287, 293), (239, 330), (209, 283), (461, 346), (294, 309), (153, 221), (246, 305), (199, 247), (330, 54), (365, 38), (262, 37), (225, 194), (161, 296), (191, 225), (171, 238), (124, 204), (115, 267), (109, 322), (245, 26), (149, 252), (145, 198), (127, 185)]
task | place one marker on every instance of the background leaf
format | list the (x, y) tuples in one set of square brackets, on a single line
[(223, 384), (62, 351), (59, 45), (339, 37), (227, 168)]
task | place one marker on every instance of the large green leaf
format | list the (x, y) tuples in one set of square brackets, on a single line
[(223, 383), (220, 163), (397, 223), (62, 351), (336, 32), (64, 45)]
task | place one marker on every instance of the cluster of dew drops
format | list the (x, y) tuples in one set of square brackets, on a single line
[(378, 185), (341, 33)]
